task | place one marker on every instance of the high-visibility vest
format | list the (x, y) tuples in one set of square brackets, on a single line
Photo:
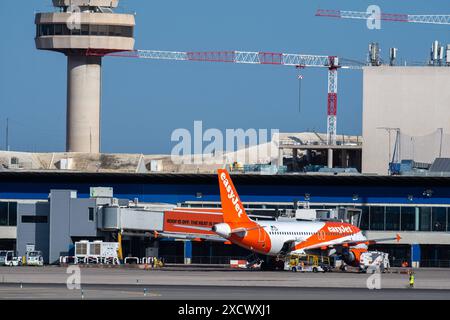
[(411, 280)]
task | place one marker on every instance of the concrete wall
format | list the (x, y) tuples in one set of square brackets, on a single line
[(80, 226), (33, 233), (59, 223), (414, 99), (69, 217), (8, 232), (83, 104)]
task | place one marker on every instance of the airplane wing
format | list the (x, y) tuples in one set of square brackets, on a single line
[(350, 243), (369, 241)]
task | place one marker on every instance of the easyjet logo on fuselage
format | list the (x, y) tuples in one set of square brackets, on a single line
[(340, 229), (233, 197)]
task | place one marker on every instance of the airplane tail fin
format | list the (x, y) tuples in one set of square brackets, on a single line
[(233, 210)]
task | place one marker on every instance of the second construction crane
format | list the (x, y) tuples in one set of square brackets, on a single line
[(332, 63), (397, 17)]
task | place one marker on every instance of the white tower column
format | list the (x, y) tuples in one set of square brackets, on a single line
[(83, 103)]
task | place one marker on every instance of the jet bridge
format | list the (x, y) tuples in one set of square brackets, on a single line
[(135, 219)]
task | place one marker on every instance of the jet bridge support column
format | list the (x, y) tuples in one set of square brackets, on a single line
[(187, 252)]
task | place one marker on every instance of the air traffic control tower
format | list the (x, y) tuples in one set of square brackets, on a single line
[(84, 30)]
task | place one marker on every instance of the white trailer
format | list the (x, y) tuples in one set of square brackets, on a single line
[(96, 252)]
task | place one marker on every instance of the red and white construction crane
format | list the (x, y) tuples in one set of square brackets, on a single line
[(332, 63), (411, 18)]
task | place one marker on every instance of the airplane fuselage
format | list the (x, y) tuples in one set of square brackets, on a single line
[(272, 236)]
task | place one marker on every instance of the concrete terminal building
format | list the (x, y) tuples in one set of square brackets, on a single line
[(77, 28), (406, 112), (53, 210)]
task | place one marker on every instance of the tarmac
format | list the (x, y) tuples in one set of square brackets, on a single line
[(197, 283)]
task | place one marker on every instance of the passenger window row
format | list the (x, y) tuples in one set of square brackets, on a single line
[(308, 233)]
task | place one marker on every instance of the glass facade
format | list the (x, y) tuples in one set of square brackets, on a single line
[(385, 217), (84, 30), (424, 219), (396, 218), (377, 221), (439, 219), (392, 218), (408, 219), (365, 218), (448, 219), (8, 213)]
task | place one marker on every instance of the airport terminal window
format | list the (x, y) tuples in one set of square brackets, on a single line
[(408, 219), (91, 214), (8, 213), (34, 219), (3, 213), (376, 218), (12, 214), (392, 218), (425, 219), (365, 216), (439, 217), (85, 29), (448, 219)]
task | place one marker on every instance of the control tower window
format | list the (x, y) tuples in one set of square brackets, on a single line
[(58, 29), (84, 30), (75, 32), (102, 30)]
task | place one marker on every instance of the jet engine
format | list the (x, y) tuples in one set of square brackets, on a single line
[(351, 256), (222, 229)]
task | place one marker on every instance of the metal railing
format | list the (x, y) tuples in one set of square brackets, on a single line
[(202, 259), (435, 263), (348, 142)]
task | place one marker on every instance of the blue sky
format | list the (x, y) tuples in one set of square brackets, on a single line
[(144, 101)]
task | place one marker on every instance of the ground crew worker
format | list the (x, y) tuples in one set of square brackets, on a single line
[(151, 262), (411, 279)]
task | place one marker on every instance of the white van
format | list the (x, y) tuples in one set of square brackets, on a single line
[(7, 258), (34, 258)]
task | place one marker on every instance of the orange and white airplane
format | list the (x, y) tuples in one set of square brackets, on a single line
[(275, 238)]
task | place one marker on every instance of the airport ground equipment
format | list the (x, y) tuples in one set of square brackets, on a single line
[(8, 258), (96, 252), (34, 258), (307, 263), (374, 261), (332, 63)]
